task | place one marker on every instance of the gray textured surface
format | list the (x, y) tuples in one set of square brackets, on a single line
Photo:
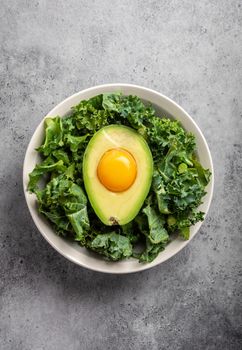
[(190, 51)]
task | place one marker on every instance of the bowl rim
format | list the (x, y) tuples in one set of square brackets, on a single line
[(141, 267)]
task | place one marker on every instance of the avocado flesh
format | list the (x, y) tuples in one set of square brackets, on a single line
[(117, 208)]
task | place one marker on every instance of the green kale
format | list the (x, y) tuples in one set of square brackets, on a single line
[(112, 245), (178, 185)]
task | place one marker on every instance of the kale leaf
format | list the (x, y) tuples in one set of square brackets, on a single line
[(112, 245)]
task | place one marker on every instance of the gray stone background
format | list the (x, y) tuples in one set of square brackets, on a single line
[(191, 52)]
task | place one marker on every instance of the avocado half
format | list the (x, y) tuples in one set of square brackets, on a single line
[(117, 208)]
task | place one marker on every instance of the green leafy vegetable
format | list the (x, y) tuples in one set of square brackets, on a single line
[(151, 251), (157, 232), (178, 185), (46, 166), (53, 135), (64, 203), (114, 246)]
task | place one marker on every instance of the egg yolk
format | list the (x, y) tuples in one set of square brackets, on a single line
[(117, 170)]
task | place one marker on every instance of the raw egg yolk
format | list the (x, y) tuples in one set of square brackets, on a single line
[(117, 170)]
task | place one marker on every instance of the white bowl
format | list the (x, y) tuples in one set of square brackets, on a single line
[(73, 251)]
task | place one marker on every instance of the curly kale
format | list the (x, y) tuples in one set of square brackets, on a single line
[(178, 185)]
